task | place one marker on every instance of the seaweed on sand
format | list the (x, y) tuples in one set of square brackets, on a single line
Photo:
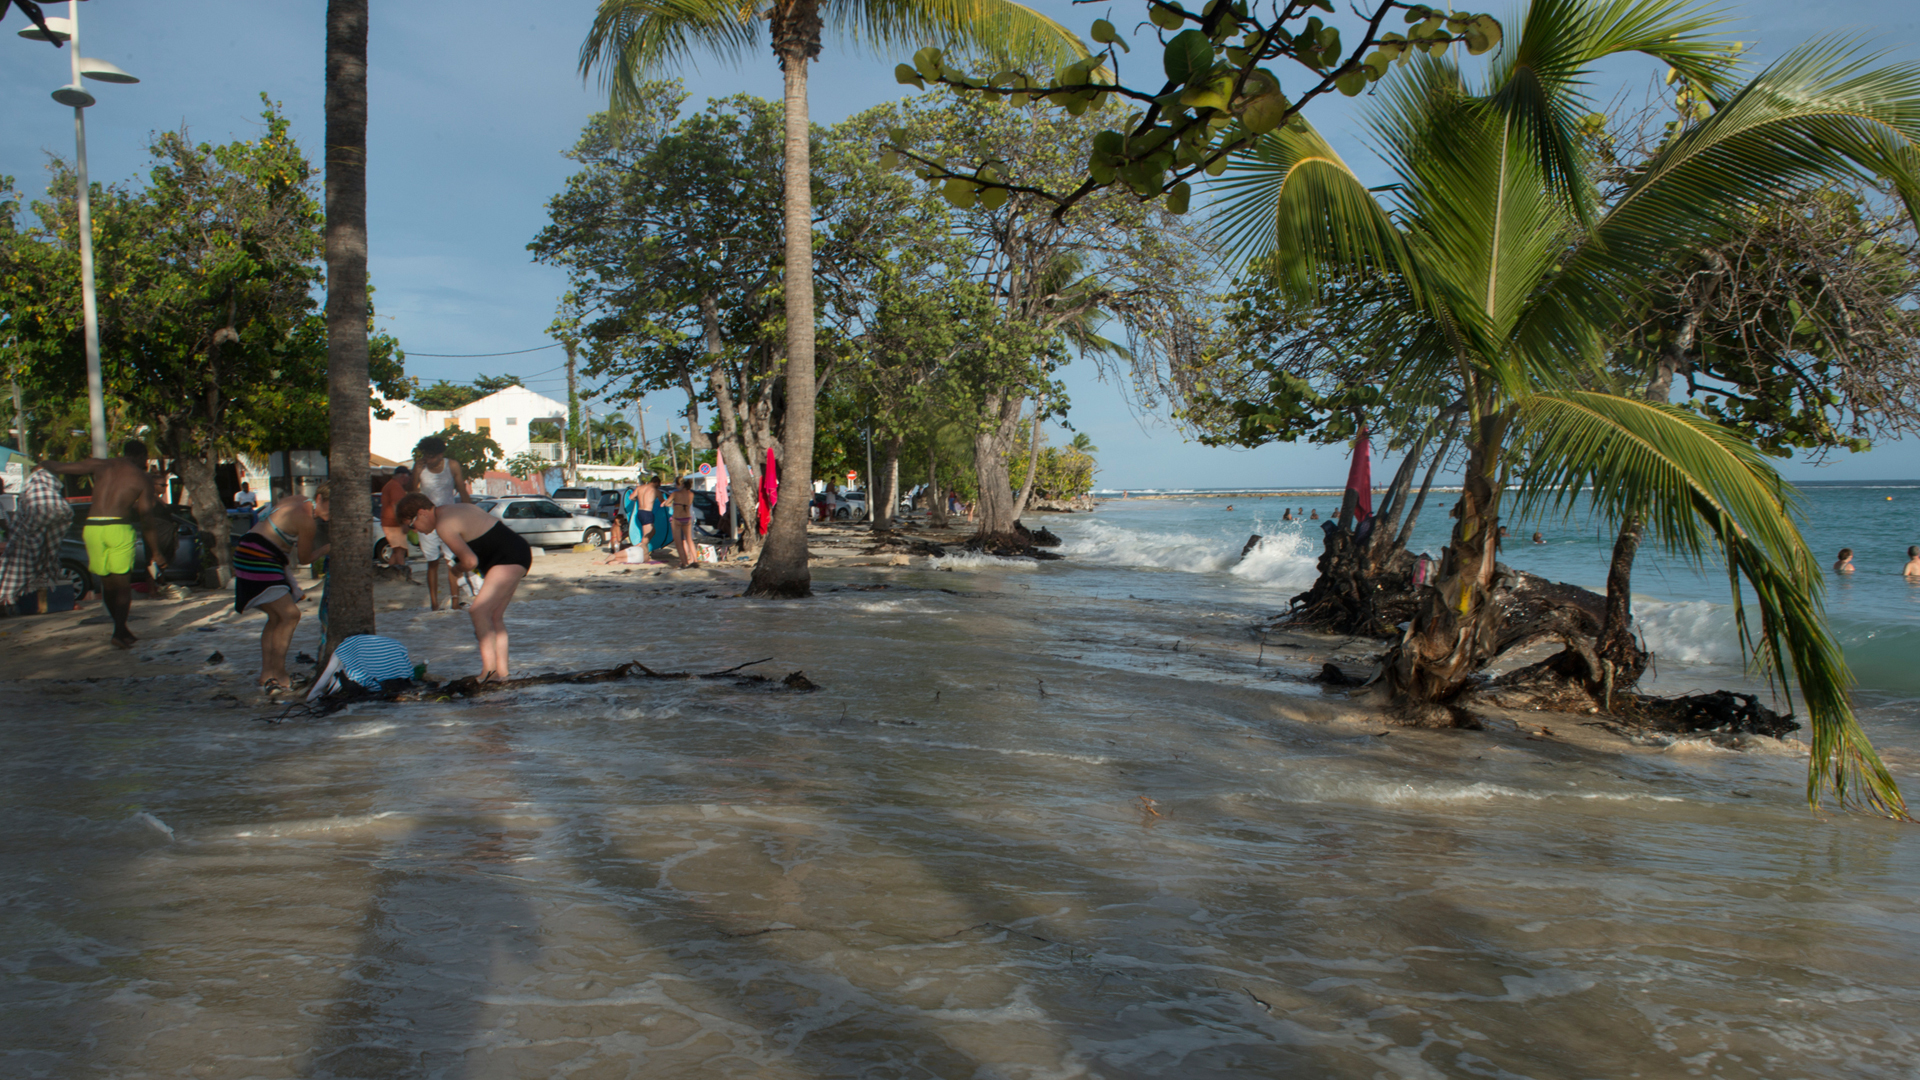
[(471, 686)]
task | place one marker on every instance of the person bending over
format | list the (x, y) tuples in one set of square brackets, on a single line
[(122, 500), (480, 542), (264, 565)]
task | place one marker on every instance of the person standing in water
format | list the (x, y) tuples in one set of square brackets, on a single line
[(476, 540), (264, 565), (443, 483), (1913, 564), (122, 501), (1844, 565), (683, 525)]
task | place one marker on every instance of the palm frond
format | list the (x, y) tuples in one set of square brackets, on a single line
[(1820, 111), (1702, 486), (1295, 208), (1001, 30), (633, 40), (1538, 81)]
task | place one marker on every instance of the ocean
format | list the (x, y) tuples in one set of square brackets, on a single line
[(1039, 821)]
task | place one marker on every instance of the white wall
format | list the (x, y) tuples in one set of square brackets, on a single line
[(506, 416)]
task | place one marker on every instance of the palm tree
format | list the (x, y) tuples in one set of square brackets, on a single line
[(350, 580), (1506, 279), (632, 39)]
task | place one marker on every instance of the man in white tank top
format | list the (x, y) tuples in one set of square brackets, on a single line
[(443, 481)]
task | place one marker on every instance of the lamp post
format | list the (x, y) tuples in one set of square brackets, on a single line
[(76, 95)]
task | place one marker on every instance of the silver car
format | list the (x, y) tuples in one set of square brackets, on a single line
[(545, 523)]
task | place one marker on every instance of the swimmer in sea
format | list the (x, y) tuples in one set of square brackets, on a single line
[(1913, 564), (1844, 565), (1538, 539), (1229, 506), (1288, 515)]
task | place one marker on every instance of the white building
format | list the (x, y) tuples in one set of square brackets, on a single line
[(503, 416)]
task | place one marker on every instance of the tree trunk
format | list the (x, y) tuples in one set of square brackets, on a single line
[(350, 596), (729, 446), (996, 519), (1616, 645), (197, 472), (936, 499), (883, 495), (1454, 627), (1033, 464), (782, 567)]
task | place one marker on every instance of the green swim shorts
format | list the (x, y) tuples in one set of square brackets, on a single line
[(109, 547)]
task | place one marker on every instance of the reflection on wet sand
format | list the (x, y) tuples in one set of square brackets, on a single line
[(939, 865)]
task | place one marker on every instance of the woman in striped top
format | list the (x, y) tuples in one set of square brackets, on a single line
[(263, 565)]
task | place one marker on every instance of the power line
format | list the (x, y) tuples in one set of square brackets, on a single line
[(475, 355)]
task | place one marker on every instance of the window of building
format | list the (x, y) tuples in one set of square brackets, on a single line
[(482, 425), (512, 420), (451, 424)]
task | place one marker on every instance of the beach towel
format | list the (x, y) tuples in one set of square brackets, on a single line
[(769, 491), (367, 660), (32, 561), (720, 485)]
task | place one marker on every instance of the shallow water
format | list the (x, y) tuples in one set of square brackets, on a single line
[(1038, 822)]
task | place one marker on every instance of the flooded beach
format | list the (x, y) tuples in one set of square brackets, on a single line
[(1058, 820)]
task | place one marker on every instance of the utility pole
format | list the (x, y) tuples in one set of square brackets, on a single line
[(573, 416)]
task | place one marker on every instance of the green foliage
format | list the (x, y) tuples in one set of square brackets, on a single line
[(1219, 94), (210, 333), (526, 465), (493, 384), (475, 451), (444, 396), (1506, 280), (1064, 472), (545, 430)]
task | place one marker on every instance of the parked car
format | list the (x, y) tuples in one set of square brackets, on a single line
[(609, 506), (544, 522), (579, 500), (184, 567)]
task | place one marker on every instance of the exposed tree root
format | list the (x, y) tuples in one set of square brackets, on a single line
[(895, 544), (1016, 544)]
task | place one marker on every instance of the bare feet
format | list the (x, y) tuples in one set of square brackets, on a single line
[(124, 640)]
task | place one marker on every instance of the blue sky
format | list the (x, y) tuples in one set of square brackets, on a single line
[(473, 104)]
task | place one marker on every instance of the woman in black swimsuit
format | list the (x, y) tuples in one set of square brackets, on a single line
[(482, 543)]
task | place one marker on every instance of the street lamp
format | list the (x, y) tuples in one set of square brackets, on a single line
[(75, 94)]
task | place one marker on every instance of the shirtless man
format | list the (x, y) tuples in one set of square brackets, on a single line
[(390, 496), (122, 500), (1844, 565), (476, 540), (1913, 564), (645, 498)]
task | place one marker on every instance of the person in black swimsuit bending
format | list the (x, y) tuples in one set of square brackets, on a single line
[(482, 543)]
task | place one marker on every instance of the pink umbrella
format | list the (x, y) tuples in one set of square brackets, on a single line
[(1360, 479)]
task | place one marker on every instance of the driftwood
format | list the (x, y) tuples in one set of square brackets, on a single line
[(471, 686)]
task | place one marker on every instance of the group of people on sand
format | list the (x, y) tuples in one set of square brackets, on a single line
[(654, 516), (1844, 564)]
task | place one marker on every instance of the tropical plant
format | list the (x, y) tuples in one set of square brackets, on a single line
[(526, 464), (474, 450), (633, 39), (1510, 281)]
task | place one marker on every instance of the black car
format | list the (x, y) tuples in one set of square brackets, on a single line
[(184, 567)]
